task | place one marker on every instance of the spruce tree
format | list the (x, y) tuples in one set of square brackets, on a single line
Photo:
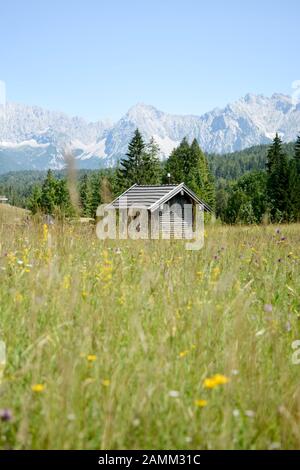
[(95, 195), (62, 199), (150, 167), (295, 181), (199, 177), (34, 204), (178, 163), (297, 152), (85, 196), (188, 164), (48, 194), (278, 182), (130, 171)]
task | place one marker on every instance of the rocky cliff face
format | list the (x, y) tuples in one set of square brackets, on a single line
[(34, 138)]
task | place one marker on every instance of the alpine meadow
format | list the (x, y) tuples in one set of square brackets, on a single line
[(143, 344), (140, 344), (149, 233)]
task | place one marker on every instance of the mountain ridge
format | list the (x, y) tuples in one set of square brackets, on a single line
[(35, 138)]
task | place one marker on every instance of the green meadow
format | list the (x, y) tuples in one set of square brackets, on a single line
[(143, 344)]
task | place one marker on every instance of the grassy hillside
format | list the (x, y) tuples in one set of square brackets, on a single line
[(114, 345), (10, 214)]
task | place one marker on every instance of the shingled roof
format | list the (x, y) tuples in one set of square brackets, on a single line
[(152, 196)]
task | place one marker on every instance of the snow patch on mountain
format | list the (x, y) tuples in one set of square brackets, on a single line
[(26, 143), (31, 137)]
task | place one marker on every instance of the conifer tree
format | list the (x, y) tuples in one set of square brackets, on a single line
[(151, 169), (295, 181), (48, 195), (34, 204), (199, 177), (95, 195), (62, 199), (177, 164), (141, 165), (106, 194), (278, 182), (188, 164), (85, 196), (130, 171)]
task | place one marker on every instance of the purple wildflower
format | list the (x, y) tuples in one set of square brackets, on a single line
[(5, 414)]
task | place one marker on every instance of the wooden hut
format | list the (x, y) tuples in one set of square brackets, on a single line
[(166, 204)]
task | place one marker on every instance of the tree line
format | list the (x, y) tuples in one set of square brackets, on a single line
[(271, 194), (141, 165), (250, 186)]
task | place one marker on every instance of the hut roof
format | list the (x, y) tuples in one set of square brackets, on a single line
[(152, 196)]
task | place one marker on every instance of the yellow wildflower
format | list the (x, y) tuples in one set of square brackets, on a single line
[(183, 353), (91, 357), (105, 382), (45, 233), (215, 380), (38, 388), (201, 403), (215, 273)]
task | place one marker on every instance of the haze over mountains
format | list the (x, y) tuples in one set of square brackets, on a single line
[(35, 138)]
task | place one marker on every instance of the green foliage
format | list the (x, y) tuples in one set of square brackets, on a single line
[(85, 194), (246, 201), (177, 164), (231, 166), (34, 202), (278, 182), (141, 165), (274, 193), (151, 164), (52, 197), (295, 182), (48, 194), (188, 164), (95, 188)]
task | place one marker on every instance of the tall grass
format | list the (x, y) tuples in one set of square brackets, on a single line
[(109, 343)]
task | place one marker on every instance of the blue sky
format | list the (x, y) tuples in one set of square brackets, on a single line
[(97, 58)]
